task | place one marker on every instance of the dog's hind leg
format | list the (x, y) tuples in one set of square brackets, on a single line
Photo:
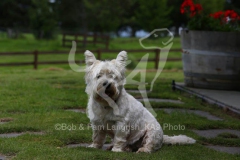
[(152, 141)]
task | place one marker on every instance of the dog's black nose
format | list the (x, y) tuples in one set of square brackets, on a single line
[(108, 86), (105, 83)]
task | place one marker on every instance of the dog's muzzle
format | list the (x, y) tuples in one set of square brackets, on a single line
[(106, 89), (109, 88)]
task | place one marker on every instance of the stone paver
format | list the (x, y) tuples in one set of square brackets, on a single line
[(211, 133), (5, 120), (161, 100), (105, 146), (197, 112), (2, 157), (231, 150), (11, 135), (77, 110)]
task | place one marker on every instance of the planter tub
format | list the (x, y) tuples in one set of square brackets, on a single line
[(211, 60)]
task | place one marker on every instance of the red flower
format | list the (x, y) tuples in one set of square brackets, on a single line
[(182, 11), (198, 7), (225, 16), (234, 15), (217, 15), (192, 8), (227, 13), (189, 7), (228, 17)]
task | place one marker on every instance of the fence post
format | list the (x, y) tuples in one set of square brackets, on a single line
[(94, 38), (84, 40), (99, 54), (157, 52), (35, 62), (107, 42)]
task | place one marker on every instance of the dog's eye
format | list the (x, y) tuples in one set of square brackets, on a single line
[(99, 76)]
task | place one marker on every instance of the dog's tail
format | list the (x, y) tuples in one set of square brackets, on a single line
[(180, 139)]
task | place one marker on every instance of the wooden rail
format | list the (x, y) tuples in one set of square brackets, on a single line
[(96, 39), (99, 53)]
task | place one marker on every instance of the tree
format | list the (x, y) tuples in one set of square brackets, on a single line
[(97, 15), (103, 15), (178, 20), (90, 15), (71, 15), (233, 5), (43, 19), (153, 14), (127, 18), (14, 16)]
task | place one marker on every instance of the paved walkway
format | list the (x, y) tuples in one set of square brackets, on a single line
[(229, 99)]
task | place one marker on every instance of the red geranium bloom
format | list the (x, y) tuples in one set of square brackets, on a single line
[(224, 16), (198, 7), (182, 10), (234, 15), (228, 17), (188, 5), (217, 15)]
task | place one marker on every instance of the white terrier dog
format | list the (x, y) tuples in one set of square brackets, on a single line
[(112, 111)]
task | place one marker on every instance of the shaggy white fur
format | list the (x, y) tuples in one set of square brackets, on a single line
[(112, 111)]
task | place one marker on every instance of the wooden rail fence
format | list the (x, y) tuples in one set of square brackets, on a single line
[(84, 39), (99, 53)]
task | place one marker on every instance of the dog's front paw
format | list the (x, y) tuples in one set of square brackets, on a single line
[(117, 149), (145, 150)]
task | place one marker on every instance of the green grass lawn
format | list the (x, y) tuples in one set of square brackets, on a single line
[(36, 100)]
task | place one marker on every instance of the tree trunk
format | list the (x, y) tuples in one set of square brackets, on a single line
[(9, 32), (133, 33)]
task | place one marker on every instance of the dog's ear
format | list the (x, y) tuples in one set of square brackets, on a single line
[(89, 58), (122, 58)]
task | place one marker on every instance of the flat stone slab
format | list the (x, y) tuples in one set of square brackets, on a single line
[(11, 135), (229, 98), (5, 120), (197, 112), (2, 157), (230, 150), (160, 100), (77, 110), (211, 133), (105, 146)]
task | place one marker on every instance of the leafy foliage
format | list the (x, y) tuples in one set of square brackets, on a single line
[(42, 19), (200, 19), (153, 14), (14, 16)]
